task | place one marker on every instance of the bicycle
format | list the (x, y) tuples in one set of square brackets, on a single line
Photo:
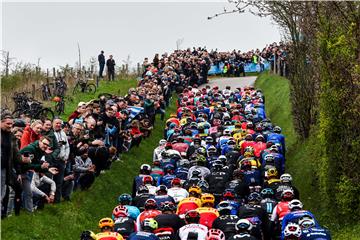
[(25, 105), (59, 104), (60, 86), (45, 91), (82, 85)]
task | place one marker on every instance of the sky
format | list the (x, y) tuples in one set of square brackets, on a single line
[(51, 30)]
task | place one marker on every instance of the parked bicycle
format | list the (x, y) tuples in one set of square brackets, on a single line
[(25, 105), (59, 104), (83, 85), (60, 86)]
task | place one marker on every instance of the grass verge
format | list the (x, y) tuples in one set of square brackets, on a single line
[(68, 219), (301, 155)]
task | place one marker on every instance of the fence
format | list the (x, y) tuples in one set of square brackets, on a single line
[(248, 67)]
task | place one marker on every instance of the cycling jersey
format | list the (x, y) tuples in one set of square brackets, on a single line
[(315, 233), (199, 232), (143, 236), (109, 236), (188, 204), (125, 226), (145, 215), (280, 210), (172, 221), (204, 171), (178, 193), (243, 236), (226, 223), (207, 215)]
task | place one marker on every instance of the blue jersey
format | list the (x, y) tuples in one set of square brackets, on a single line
[(293, 217), (278, 162), (166, 180), (181, 172), (253, 176), (315, 233), (143, 236), (163, 198), (277, 138)]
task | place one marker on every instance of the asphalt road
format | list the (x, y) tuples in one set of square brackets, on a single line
[(233, 82)]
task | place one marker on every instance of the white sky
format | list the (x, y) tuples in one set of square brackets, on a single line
[(51, 31)]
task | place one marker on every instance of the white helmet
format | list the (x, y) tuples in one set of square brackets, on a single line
[(243, 224), (295, 204), (285, 178), (307, 223), (162, 142), (292, 229)]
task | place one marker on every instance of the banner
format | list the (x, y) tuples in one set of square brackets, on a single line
[(249, 67)]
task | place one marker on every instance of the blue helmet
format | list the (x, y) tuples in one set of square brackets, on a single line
[(254, 197), (125, 199), (267, 193)]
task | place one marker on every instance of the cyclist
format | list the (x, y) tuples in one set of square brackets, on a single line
[(168, 222), (226, 221), (141, 196), (311, 232), (148, 226), (145, 170), (126, 200), (286, 183), (149, 212), (106, 226), (191, 203), (176, 191), (207, 211), (162, 195), (268, 202), (123, 224), (243, 230), (292, 232), (192, 230)]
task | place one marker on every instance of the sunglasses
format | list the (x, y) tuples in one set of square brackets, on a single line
[(46, 144)]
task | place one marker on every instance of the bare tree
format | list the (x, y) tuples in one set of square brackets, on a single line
[(6, 61), (179, 42)]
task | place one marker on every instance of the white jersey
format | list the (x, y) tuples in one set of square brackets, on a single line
[(157, 153), (178, 193), (204, 171), (152, 189), (198, 229)]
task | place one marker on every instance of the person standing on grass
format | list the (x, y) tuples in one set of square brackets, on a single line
[(110, 64), (101, 59)]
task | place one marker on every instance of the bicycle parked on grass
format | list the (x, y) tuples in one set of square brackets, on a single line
[(83, 85), (25, 105), (59, 104)]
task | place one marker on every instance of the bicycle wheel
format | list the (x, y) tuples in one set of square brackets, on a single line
[(90, 88), (45, 113), (60, 107)]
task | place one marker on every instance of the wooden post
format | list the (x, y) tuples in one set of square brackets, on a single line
[(54, 72), (33, 90)]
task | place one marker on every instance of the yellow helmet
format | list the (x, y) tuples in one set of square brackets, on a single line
[(272, 172), (207, 198), (173, 115), (195, 189), (106, 222)]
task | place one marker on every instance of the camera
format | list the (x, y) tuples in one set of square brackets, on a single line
[(26, 154)]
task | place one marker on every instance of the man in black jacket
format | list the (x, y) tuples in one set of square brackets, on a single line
[(110, 64), (101, 59)]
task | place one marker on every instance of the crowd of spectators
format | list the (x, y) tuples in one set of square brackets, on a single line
[(45, 160)]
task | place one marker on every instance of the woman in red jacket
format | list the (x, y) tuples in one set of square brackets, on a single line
[(135, 132), (31, 133)]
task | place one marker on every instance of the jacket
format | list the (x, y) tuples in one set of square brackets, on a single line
[(29, 136)]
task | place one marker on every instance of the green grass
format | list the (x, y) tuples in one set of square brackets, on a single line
[(68, 219), (301, 155)]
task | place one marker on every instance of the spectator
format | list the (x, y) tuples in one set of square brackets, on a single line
[(31, 133), (78, 113), (84, 170), (101, 59), (110, 64)]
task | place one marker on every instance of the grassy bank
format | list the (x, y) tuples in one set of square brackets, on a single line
[(301, 155), (68, 219)]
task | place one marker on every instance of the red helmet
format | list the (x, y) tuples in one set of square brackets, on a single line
[(228, 195), (176, 182), (57, 99), (147, 180), (215, 234), (192, 216), (150, 204), (120, 211)]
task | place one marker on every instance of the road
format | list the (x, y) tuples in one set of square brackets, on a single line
[(233, 82)]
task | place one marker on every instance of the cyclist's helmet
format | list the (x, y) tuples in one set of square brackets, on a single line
[(254, 197), (176, 182), (125, 199), (106, 223), (203, 185), (87, 235), (272, 173), (120, 211), (292, 231), (196, 174), (307, 223), (149, 224), (286, 178), (215, 234), (287, 195), (207, 198), (167, 206), (194, 191), (277, 129), (150, 204), (224, 208), (222, 158), (161, 190), (148, 180), (295, 205), (243, 225), (228, 195), (238, 174), (209, 140), (145, 169), (192, 216), (267, 193), (162, 142)]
